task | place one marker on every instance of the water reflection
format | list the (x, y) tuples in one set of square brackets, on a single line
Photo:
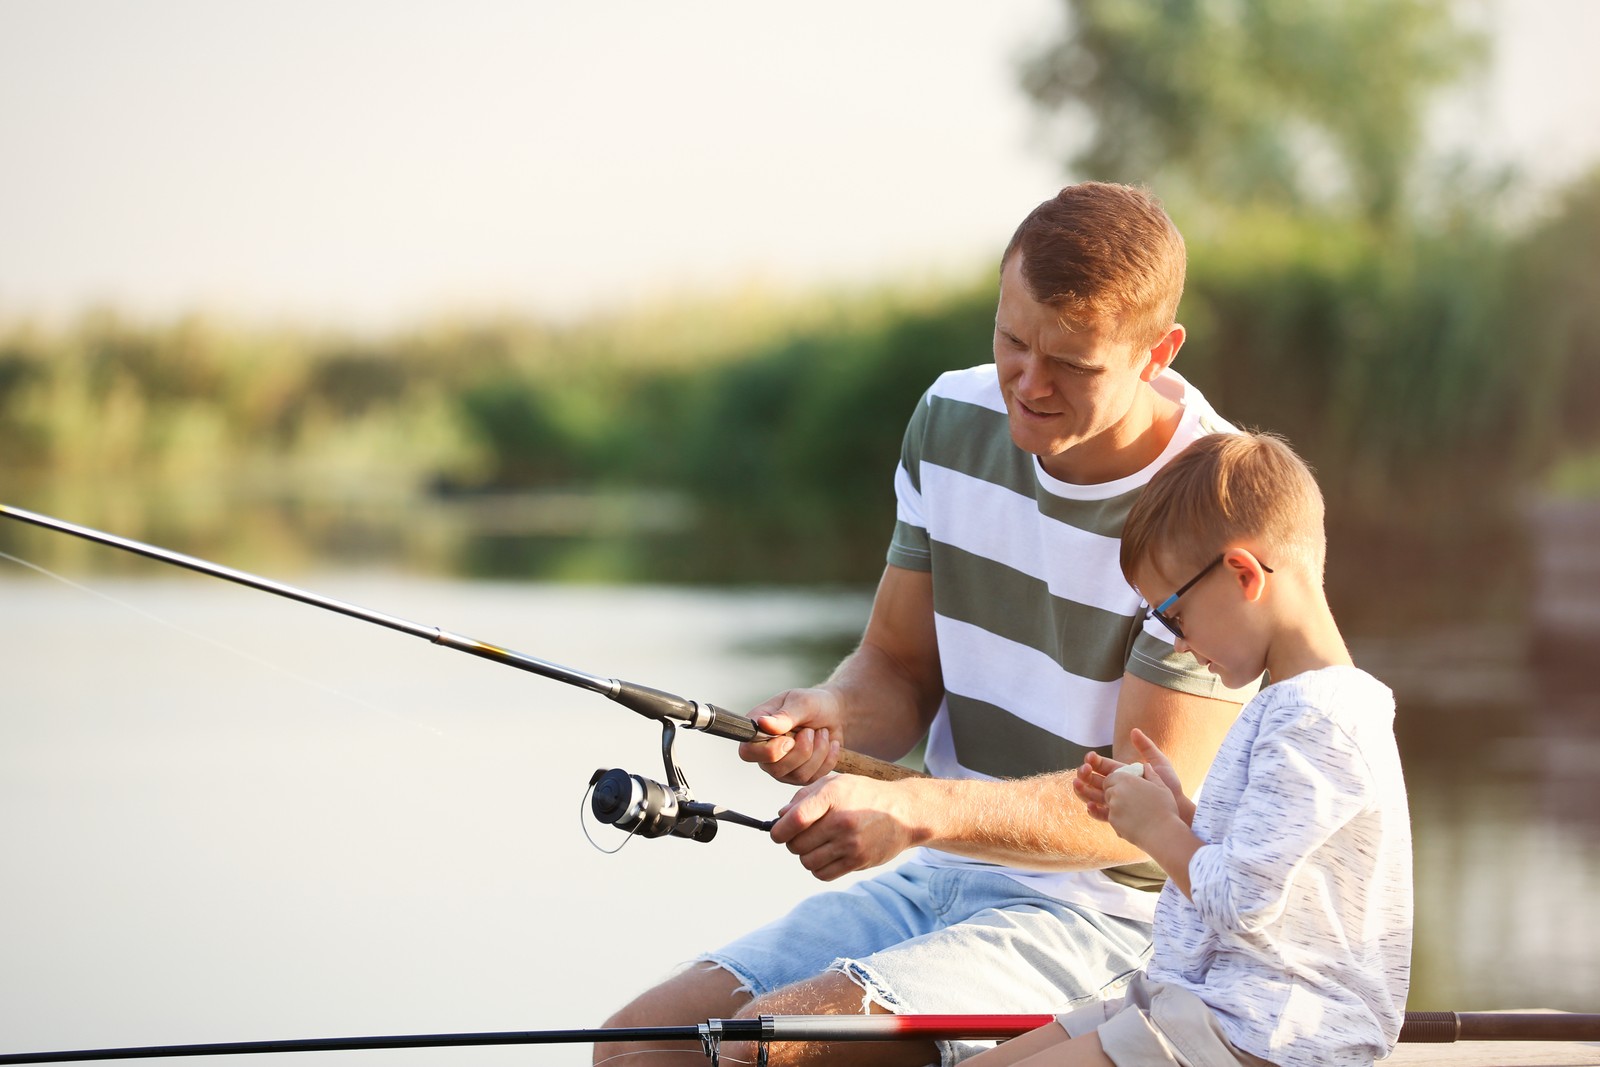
[(1488, 630)]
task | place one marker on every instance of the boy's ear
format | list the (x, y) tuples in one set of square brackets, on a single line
[(1245, 571), (1160, 356)]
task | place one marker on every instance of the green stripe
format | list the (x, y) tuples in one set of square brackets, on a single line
[(992, 741), (1146, 875), (1086, 641), (909, 547), (1159, 663), (916, 432), (976, 441), (1103, 517)]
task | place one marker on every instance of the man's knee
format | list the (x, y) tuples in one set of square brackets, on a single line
[(696, 993), (831, 993), (699, 992)]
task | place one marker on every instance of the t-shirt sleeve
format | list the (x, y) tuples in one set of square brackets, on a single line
[(909, 547), (1154, 660)]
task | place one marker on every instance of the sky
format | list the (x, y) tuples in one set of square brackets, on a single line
[(373, 162)]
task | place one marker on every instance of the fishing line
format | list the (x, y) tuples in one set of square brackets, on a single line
[(217, 643), (584, 826), (696, 1053)]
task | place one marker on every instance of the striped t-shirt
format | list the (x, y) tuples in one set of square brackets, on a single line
[(1035, 622)]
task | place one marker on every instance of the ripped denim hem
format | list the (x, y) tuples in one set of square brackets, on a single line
[(874, 991), (747, 981)]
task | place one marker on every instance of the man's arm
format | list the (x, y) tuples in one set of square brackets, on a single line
[(848, 823), (879, 701)]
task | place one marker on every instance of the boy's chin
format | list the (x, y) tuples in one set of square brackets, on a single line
[(1225, 676)]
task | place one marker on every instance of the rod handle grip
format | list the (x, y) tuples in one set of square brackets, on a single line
[(872, 767), (725, 723)]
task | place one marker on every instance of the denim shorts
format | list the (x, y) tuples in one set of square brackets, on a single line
[(921, 939)]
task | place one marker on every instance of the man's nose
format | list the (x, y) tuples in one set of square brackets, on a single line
[(1033, 381)]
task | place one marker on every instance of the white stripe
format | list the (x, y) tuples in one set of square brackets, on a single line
[(1026, 682), (940, 753), (908, 507), (996, 523), (975, 385)]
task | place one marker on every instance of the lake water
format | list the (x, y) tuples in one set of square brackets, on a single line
[(226, 816)]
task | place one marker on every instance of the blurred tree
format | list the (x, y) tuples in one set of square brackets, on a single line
[(1287, 102)]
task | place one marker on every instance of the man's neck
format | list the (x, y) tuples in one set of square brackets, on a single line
[(1123, 450)]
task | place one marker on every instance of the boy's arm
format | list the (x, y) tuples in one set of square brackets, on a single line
[(1146, 811), (1306, 779)]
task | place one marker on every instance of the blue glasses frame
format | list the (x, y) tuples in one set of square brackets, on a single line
[(1160, 611)]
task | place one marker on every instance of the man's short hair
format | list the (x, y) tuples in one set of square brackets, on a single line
[(1228, 490), (1108, 257)]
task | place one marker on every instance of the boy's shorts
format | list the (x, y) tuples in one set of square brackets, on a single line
[(921, 939), (1155, 1024)]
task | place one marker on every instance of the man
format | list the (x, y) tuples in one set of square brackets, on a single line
[(1004, 633)]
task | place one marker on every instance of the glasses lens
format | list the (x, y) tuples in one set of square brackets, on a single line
[(1177, 631)]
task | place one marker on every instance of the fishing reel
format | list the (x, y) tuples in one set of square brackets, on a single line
[(650, 809)]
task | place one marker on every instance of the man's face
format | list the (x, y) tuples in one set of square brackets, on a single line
[(1072, 397)]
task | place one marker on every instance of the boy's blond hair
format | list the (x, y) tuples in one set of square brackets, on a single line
[(1228, 490), (1105, 256)]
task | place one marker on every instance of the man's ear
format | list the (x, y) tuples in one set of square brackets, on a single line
[(1247, 572), (1160, 357)]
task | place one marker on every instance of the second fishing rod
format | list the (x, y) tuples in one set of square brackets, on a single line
[(627, 801)]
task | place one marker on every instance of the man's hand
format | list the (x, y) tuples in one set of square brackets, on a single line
[(879, 701), (846, 823), (811, 720)]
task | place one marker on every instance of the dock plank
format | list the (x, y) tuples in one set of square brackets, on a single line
[(1498, 1054)]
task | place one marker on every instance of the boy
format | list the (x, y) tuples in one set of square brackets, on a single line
[(1283, 934)]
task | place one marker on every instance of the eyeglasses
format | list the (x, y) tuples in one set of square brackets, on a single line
[(1160, 611)]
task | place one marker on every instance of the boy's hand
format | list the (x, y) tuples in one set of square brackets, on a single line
[(1157, 761), (1139, 806), (1090, 782), (1149, 810)]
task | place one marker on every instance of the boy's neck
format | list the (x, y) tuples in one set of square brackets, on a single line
[(1310, 642)]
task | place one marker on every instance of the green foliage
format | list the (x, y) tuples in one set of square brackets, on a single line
[(1379, 357), (819, 417), (1281, 102), (1399, 364), (1555, 290)]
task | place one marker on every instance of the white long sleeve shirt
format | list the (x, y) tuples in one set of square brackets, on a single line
[(1299, 932)]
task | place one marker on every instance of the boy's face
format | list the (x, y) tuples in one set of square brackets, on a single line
[(1211, 614), (1074, 398)]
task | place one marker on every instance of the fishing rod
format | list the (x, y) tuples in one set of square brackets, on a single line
[(1420, 1027), (630, 802)]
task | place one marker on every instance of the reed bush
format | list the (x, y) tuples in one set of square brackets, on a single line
[(1398, 362)]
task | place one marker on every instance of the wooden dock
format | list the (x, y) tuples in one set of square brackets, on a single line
[(1498, 1054), (1495, 1053)]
